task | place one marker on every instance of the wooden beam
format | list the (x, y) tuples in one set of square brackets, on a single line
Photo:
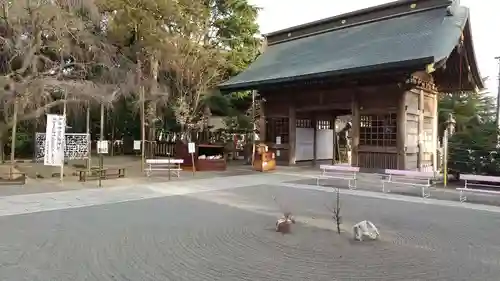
[(335, 145), (420, 130), (262, 122), (401, 129), (314, 124), (435, 126), (292, 129), (331, 106), (356, 124)]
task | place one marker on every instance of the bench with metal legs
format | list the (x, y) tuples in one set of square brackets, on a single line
[(423, 180), (346, 173), (171, 166), (478, 181)]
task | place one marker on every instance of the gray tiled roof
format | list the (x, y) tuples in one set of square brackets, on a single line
[(424, 37)]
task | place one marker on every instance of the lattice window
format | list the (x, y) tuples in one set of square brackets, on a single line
[(378, 130), (303, 123), (324, 125), (277, 127)]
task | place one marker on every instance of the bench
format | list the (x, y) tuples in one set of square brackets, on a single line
[(173, 166), (478, 180), (105, 173), (422, 180), (340, 172), (14, 178)]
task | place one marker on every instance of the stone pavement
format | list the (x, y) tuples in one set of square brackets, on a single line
[(222, 229), (49, 201), (54, 185)]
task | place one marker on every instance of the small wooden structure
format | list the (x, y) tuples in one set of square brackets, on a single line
[(384, 65), (207, 157), (264, 159)]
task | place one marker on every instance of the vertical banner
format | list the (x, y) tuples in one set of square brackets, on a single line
[(54, 140)]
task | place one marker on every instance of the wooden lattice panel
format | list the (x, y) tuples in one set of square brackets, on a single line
[(378, 130)]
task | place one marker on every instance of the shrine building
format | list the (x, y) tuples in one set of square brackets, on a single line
[(385, 66)]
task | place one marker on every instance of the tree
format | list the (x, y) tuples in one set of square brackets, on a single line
[(47, 49), (473, 147), (232, 27), (469, 109), (194, 71), (155, 34)]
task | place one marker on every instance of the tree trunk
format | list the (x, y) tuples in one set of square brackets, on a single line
[(337, 213), (13, 140), (143, 121), (152, 108), (89, 144), (2, 147), (112, 133)]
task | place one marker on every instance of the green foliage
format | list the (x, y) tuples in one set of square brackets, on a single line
[(473, 147), (116, 44), (475, 150), (468, 109), (238, 123)]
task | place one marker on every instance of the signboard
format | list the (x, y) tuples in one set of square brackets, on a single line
[(192, 150), (55, 140), (102, 147), (191, 147), (278, 140), (137, 145)]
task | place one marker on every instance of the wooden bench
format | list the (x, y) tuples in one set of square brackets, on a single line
[(96, 173), (478, 180), (340, 172), (172, 166), (422, 180), (14, 178)]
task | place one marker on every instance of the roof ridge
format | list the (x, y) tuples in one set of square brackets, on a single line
[(359, 17)]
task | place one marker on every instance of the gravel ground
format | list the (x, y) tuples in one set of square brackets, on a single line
[(228, 235)]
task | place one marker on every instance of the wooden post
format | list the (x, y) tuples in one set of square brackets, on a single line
[(401, 129), (262, 121), (421, 147), (13, 139), (193, 167), (335, 141), (89, 143), (65, 105), (292, 129), (253, 126), (314, 122), (101, 138), (356, 123), (435, 126)]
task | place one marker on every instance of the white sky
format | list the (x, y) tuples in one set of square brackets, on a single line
[(279, 14)]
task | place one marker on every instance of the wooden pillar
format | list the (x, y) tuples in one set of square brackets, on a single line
[(262, 122), (292, 128), (435, 128), (356, 123), (314, 123), (401, 129), (335, 145), (421, 147)]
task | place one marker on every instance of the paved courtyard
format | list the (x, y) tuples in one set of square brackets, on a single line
[(222, 229)]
